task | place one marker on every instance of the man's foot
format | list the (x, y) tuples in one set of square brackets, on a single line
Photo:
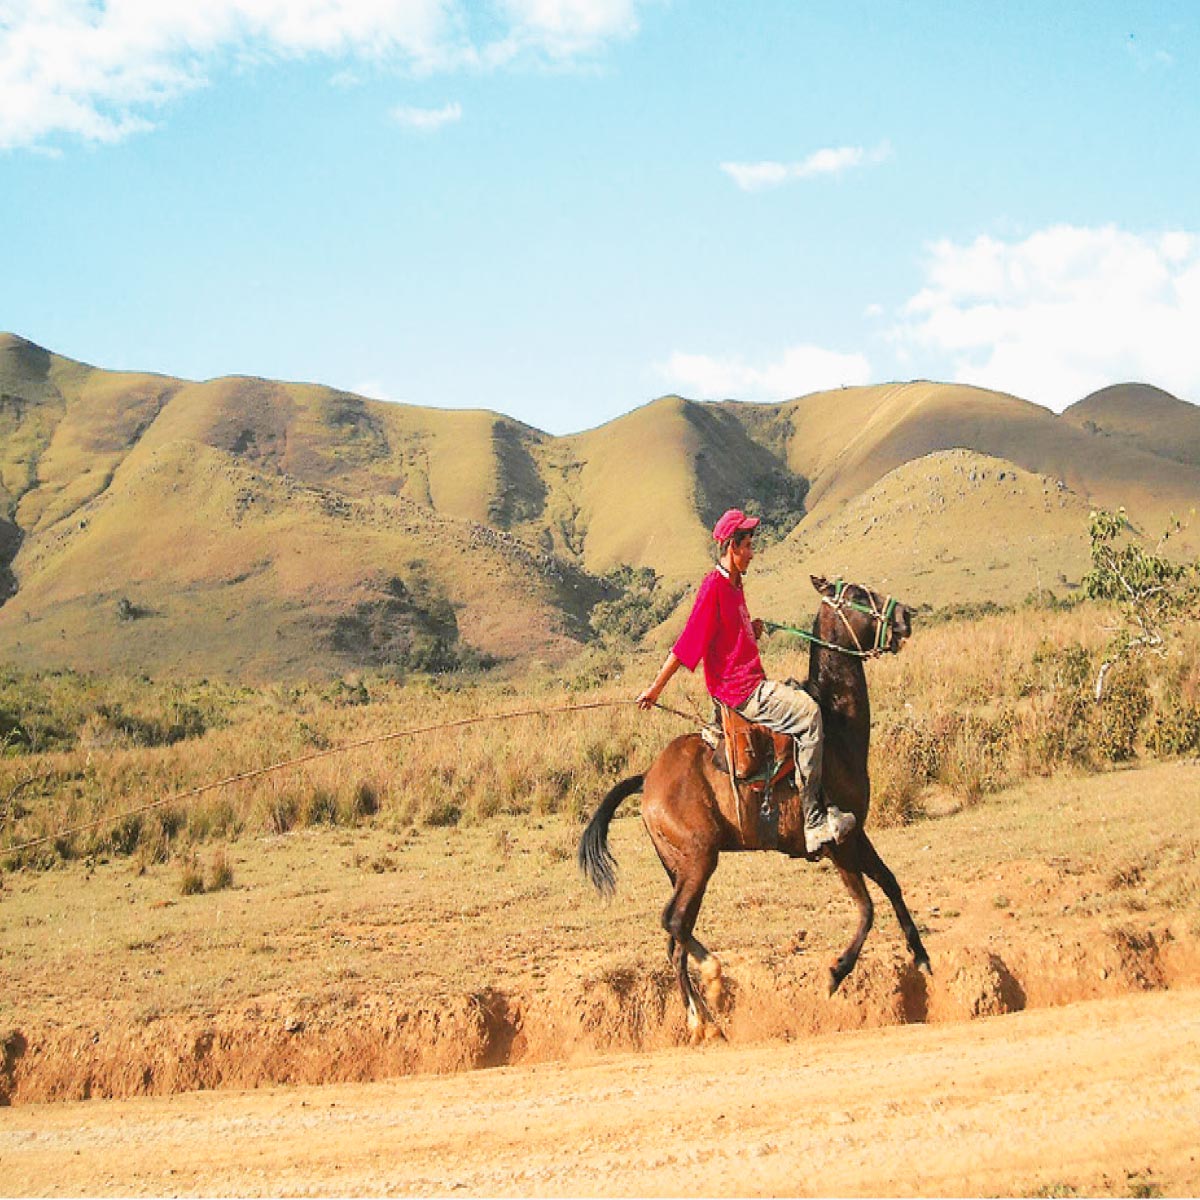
[(817, 837), (841, 824), (835, 826)]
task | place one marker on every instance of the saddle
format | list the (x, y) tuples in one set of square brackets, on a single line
[(757, 760)]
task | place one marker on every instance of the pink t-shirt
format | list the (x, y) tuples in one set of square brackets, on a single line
[(719, 631)]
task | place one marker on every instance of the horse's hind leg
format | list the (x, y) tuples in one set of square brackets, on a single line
[(846, 859), (878, 871), (679, 919), (710, 973)]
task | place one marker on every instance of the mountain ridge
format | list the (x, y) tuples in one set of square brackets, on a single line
[(250, 519)]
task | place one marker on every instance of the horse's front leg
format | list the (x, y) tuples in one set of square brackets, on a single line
[(846, 858), (878, 871)]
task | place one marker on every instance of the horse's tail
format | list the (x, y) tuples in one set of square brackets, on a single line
[(594, 857)]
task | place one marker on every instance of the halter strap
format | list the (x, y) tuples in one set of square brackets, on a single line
[(883, 618)]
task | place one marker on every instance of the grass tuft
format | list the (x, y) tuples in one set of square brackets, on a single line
[(220, 873), (191, 878)]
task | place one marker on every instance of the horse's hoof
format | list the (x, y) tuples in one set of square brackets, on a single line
[(714, 984), (923, 965), (835, 980)]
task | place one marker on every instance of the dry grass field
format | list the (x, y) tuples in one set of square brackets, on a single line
[(1063, 920), (967, 708)]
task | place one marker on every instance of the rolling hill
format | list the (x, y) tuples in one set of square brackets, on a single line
[(253, 528), (1142, 416), (951, 527)]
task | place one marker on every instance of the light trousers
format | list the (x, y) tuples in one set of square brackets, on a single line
[(788, 709)]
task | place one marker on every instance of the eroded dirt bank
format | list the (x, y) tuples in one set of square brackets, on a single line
[(275, 1041), (1096, 1098)]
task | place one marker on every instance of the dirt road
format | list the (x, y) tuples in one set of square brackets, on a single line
[(1101, 1097)]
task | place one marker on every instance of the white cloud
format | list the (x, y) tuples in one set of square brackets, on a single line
[(755, 176), (800, 370), (100, 70), (564, 28), (427, 120), (1061, 313)]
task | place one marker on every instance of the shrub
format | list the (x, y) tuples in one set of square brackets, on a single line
[(1174, 730), (155, 833), (220, 873), (320, 807), (968, 611), (606, 759), (13, 737), (1059, 731), (191, 881), (1120, 714), (641, 603), (907, 756), (363, 802), (184, 721), (594, 669), (442, 813), (280, 812), (978, 760), (217, 818), (123, 838)]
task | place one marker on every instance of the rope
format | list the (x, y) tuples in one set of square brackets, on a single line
[(840, 601), (315, 754), (775, 627)]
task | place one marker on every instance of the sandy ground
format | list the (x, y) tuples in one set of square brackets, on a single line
[(1097, 1097)]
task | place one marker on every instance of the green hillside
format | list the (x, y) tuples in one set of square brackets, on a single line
[(253, 528), (244, 527), (845, 441), (952, 527)]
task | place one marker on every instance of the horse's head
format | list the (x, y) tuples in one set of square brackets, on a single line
[(862, 620)]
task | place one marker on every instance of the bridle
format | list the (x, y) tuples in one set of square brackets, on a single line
[(839, 602)]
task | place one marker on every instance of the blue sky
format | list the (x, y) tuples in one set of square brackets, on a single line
[(559, 209)]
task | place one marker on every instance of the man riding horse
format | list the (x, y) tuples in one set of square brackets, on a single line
[(720, 631)]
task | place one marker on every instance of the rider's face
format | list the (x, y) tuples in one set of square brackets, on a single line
[(741, 551)]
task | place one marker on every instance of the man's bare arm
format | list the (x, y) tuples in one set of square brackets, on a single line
[(650, 696)]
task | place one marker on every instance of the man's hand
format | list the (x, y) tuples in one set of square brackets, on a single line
[(757, 626), (649, 698)]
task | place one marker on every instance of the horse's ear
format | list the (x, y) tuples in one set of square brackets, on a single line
[(822, 585)]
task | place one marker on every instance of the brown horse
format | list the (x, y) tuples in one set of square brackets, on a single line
[(688, 808)]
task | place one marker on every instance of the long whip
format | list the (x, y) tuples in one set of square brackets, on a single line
[(242, 777)]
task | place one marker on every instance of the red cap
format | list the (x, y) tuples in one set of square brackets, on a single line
[(731, 522)]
